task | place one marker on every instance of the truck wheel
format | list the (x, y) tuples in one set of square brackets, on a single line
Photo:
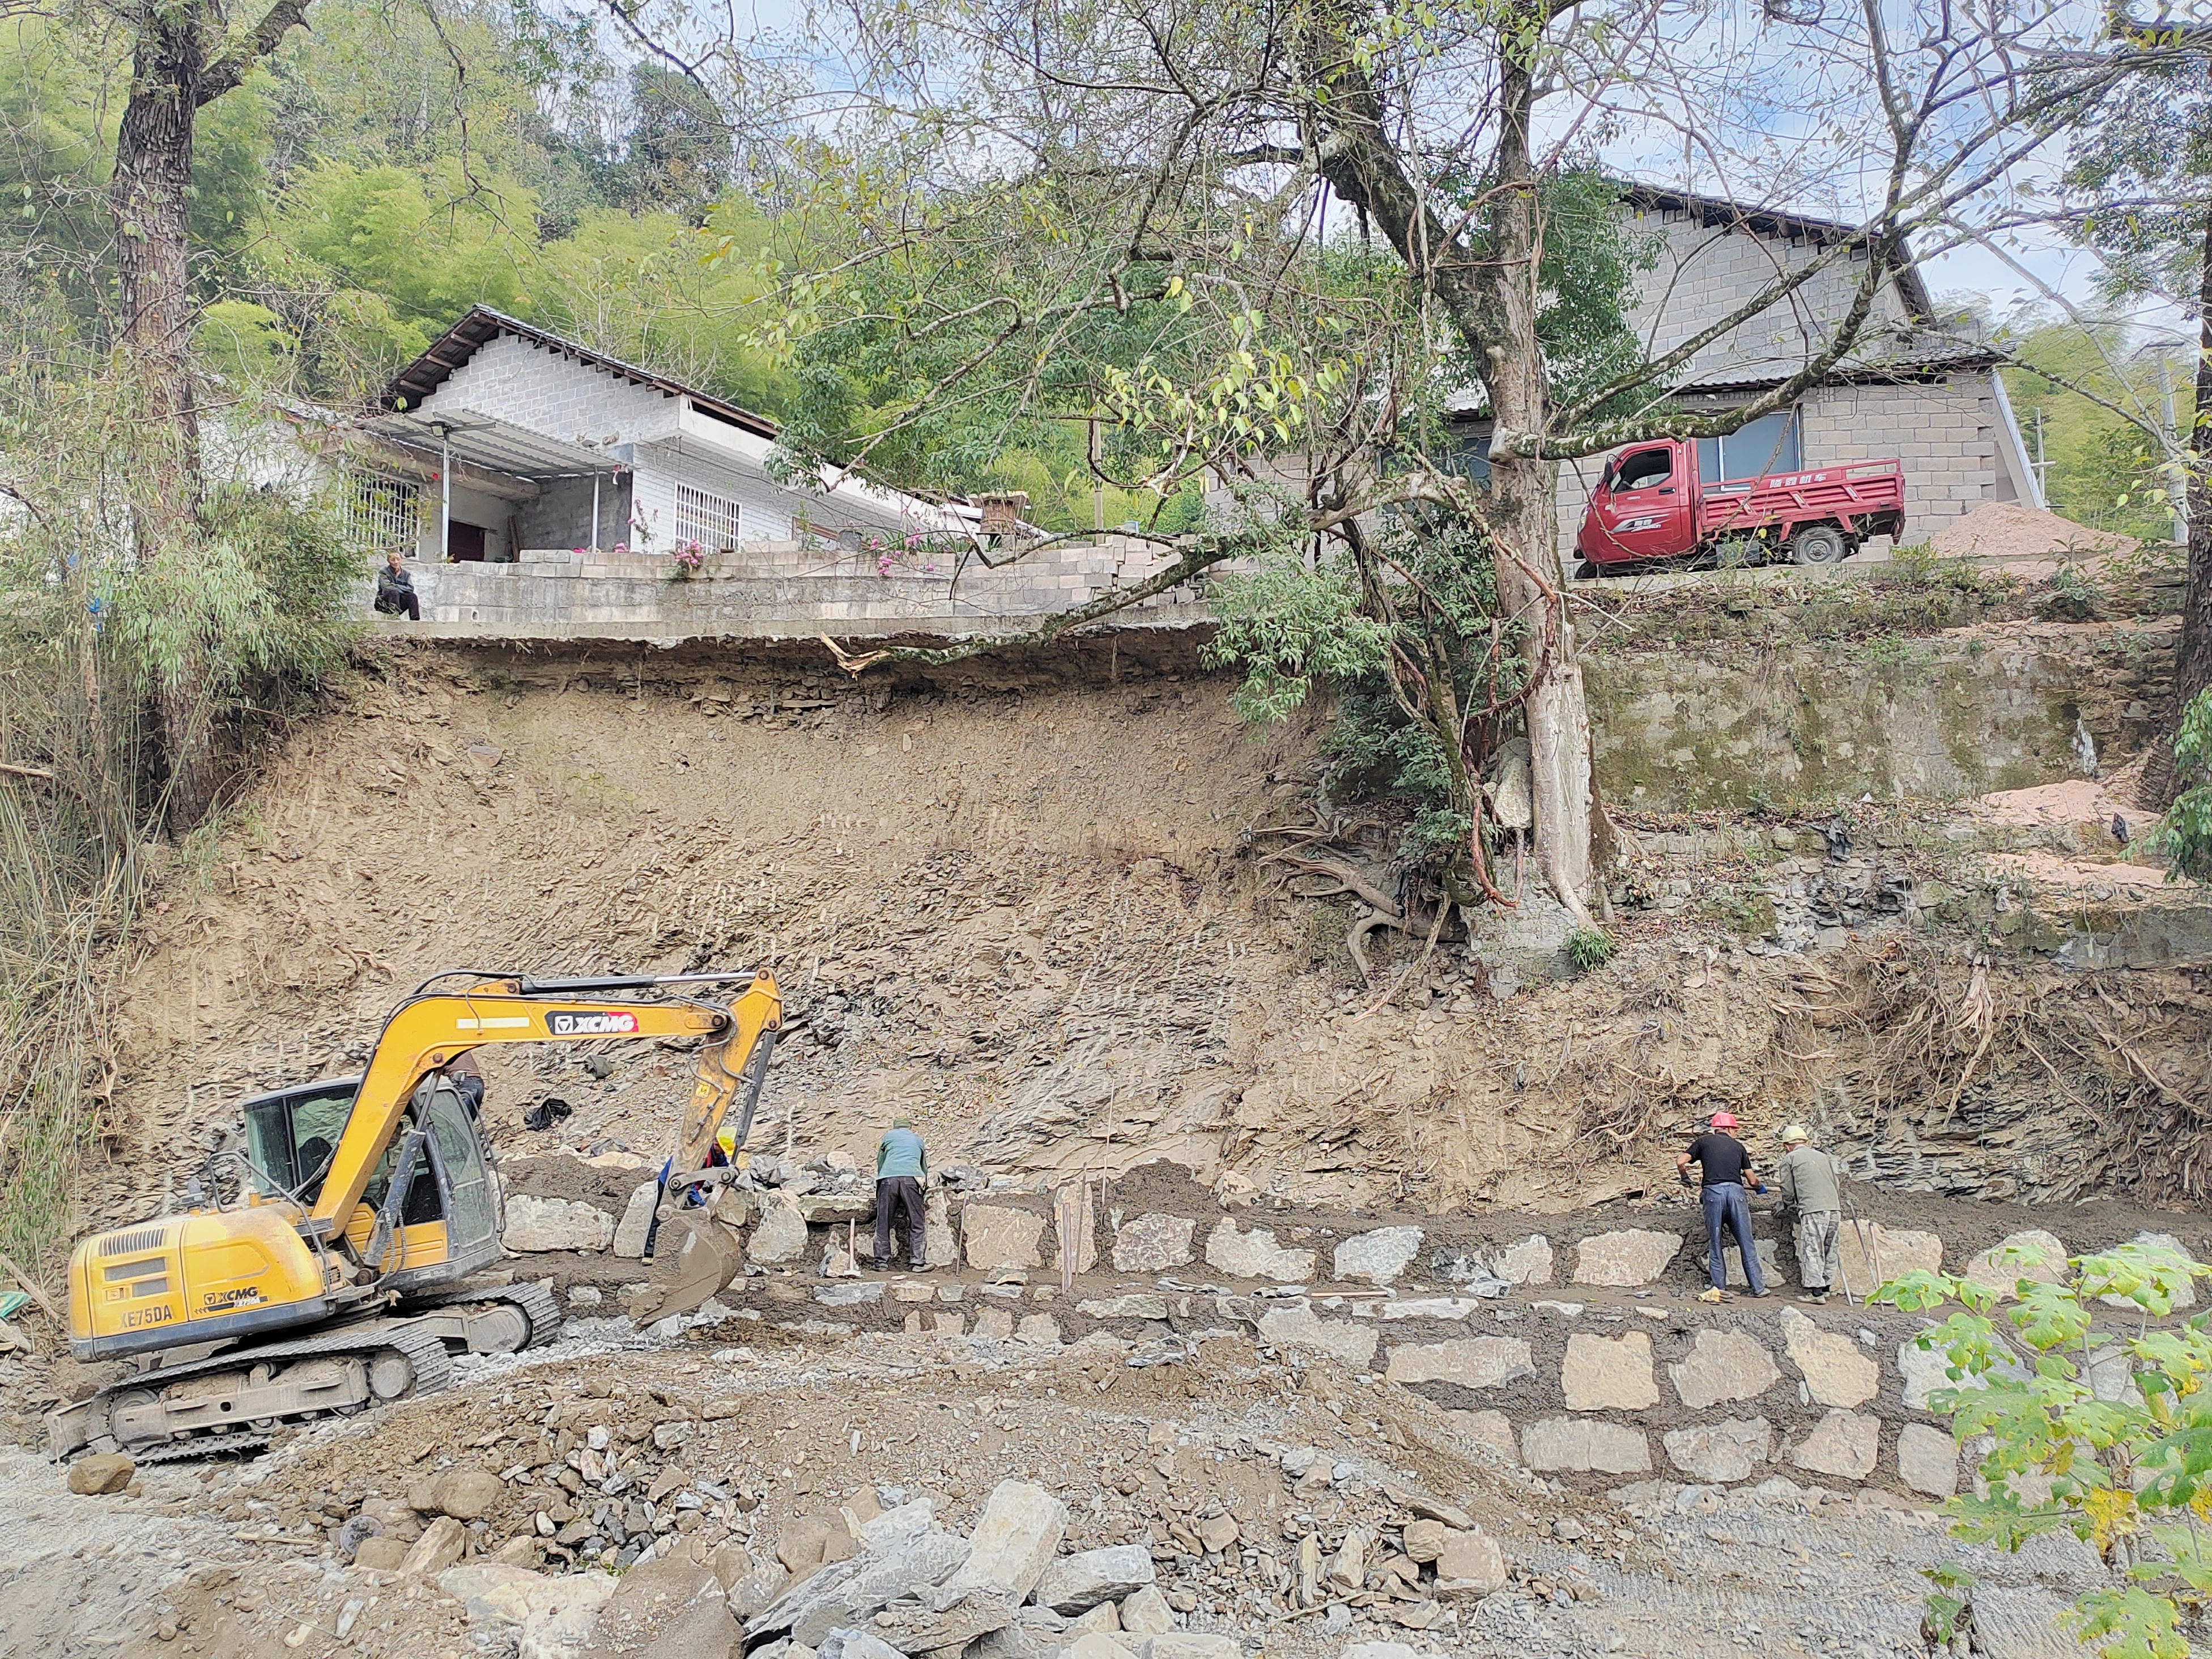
[(1585, 571), (1820, 545)]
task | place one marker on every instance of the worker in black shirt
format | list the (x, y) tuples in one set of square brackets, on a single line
[(1724, 1167)]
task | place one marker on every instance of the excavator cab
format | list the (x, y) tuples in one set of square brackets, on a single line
[(448, 1219)]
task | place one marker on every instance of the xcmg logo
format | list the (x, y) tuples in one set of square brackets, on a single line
[(592, 1024)]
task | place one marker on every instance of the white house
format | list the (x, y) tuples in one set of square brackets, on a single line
[(504, 441)]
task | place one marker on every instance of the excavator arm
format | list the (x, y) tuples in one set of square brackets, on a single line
[(432, 1030)]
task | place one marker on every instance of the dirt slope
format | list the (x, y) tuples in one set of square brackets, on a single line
[(1030, 913)]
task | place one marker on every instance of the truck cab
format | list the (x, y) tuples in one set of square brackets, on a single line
[(1644, 507)]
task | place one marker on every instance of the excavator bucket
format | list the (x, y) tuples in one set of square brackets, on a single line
[(707, 1259)]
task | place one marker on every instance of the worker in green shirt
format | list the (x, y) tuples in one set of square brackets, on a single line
[(902, 1165)]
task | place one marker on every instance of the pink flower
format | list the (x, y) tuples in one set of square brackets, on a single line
[(621, 547)]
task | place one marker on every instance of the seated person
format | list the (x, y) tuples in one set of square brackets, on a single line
[(395, 589)]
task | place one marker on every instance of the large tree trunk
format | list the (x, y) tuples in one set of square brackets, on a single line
[(1491, 295), (2192, 664), (149, 197), (1525, 494)]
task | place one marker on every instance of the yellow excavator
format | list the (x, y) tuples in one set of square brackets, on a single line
[(336, 1281)]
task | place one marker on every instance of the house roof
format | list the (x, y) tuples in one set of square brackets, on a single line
[(481, 326), (1720, 213)]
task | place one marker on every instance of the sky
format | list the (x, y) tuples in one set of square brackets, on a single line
[(1762, 79)]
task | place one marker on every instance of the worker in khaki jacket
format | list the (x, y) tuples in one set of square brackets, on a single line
[(1812, 1188)]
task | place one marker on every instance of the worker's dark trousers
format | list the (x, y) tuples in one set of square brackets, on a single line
[(895, 1194), (1725, 1202)]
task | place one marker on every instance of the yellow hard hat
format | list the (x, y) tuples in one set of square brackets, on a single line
[(1795, 1132)]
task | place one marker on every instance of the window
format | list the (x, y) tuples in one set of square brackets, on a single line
[(377, 514), (290, 1138), (710, 520), (1645, 469), (1768, 444)]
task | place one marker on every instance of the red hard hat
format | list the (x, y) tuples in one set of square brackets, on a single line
[(1724, 1120)]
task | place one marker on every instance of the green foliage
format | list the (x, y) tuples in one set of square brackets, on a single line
[(1589, 948), (2104, 471), (261, 598), (1406, 645), (1288, 624), (2184, 836), (1950, 1604), (2128, 1469)]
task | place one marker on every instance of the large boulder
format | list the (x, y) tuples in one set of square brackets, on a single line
[(1723, 1365), (555, 1224), (1014, 1541), (1299, 1326), (1626, 1259), (850, 1591), (2034, 1255), (1609, 1373), (101, 1473), (1583, 1445), (1927, 1460), (1836, 1372), (1862, 1245), (1153, 1243), (1469, 1565), (636, 1224), (1722, 1451), (1378, 1256), (1472, 1362), (1843, 1443), (1527, 1262), (466, 1494), (780, 1235), (438, 1549), (1076, 1584), (1255, 1255), (1001, 1236)]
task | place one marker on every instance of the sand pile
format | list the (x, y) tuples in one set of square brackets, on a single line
[(2014, 530)]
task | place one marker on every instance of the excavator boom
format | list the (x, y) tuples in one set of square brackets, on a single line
[(431, 1031)]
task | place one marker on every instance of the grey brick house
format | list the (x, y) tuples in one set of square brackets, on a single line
[(1913, 390), (505, 443)]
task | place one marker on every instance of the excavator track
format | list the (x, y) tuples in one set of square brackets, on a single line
[(430, 1368), (534, 1302)]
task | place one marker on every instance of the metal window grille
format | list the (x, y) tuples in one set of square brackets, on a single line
[(377, 514), (710, 520)]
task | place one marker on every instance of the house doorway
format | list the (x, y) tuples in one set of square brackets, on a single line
[(464, 543)]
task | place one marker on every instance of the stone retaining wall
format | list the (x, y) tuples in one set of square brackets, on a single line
[(1583, 1355)]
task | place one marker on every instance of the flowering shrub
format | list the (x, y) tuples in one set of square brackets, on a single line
[(918, 550), (690, 556)]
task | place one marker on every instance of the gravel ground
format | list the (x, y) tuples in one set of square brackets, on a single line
[(238, 1561)]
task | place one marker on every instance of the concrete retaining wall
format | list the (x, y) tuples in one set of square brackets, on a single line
[(779, 590)]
